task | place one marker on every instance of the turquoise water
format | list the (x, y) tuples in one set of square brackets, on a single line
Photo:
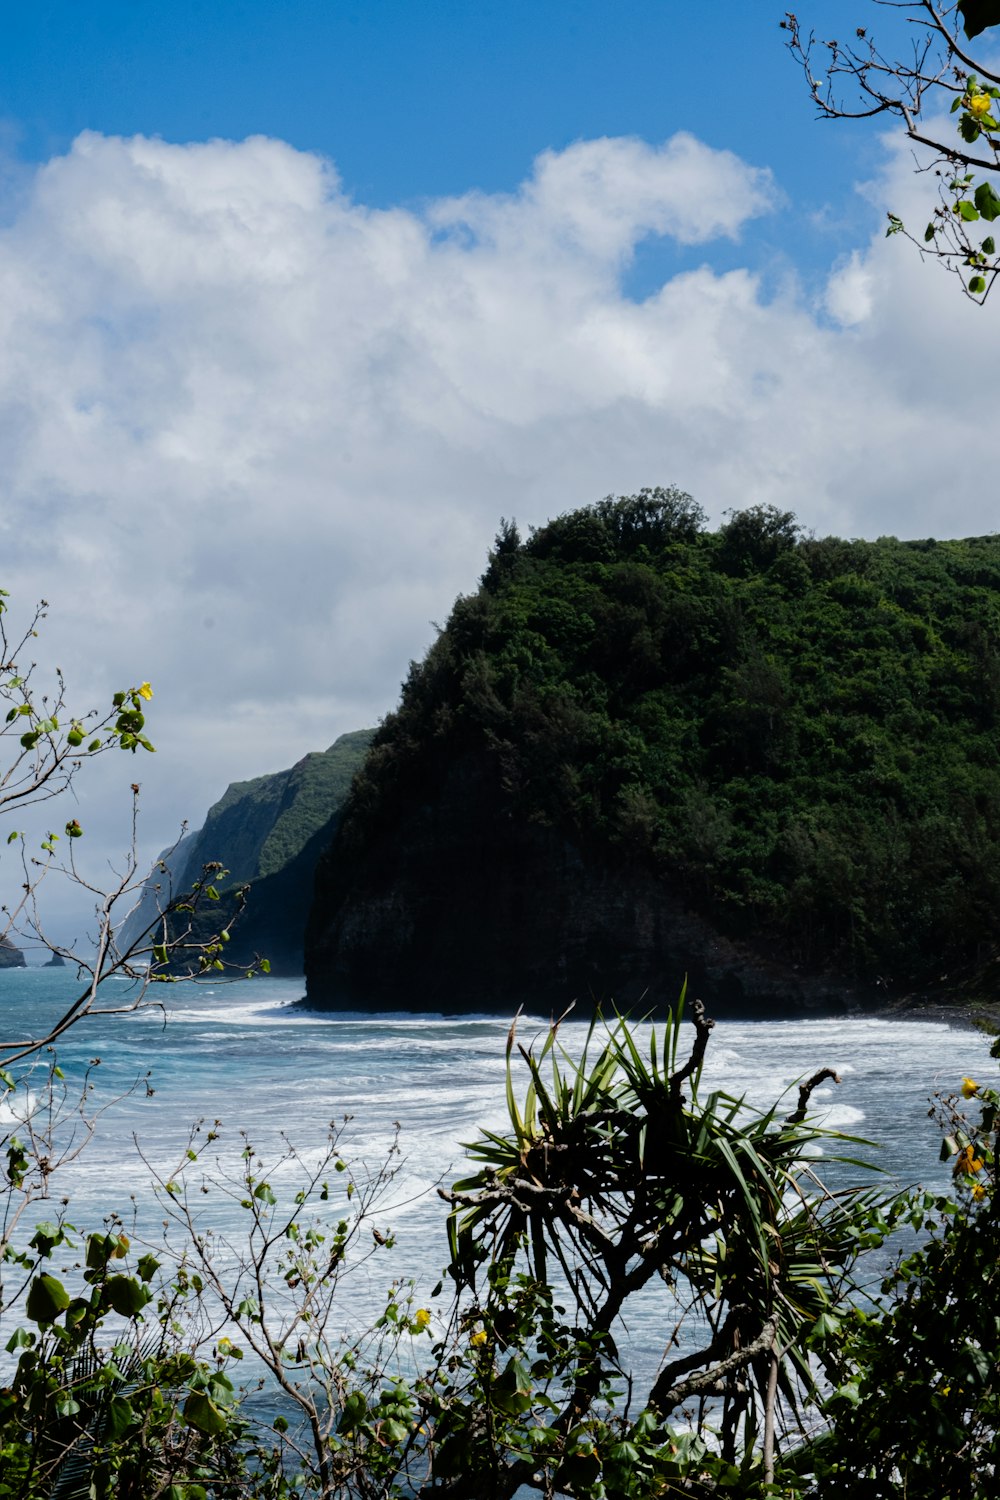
[(246, 1055)]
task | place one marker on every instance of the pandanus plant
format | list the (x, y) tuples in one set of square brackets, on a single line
[(618, 1171)]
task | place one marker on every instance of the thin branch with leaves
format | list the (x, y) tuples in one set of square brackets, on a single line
[(948, 104)]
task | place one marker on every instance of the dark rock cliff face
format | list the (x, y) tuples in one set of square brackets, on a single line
[(460, 906), (10, 957)]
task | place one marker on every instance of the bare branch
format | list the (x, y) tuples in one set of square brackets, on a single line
[(703, 1030), (806, 1091)]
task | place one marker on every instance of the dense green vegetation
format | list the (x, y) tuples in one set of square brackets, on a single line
[(267, 834), (615, 1175), (799, 733), (257, 826)]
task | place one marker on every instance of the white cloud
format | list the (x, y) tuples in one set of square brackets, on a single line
[(849, 298), (255, 436), (598, 198)]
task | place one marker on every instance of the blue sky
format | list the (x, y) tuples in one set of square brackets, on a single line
[(298, 299), (418, 99)]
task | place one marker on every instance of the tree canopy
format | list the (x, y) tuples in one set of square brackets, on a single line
[(798, 734)]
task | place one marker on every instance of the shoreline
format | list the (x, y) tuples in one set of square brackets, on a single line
[(973, 1015)]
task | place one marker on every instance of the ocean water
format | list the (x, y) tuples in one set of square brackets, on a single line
[(246, 1055)]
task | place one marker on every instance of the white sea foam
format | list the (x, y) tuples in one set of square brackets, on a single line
[(263, 1064)]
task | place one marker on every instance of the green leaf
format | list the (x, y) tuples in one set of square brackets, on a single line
[(46, 1299), (354, 1410), (99, 1250), (968, 211), (979, 15), (126, 1295), (202, 1413), (46, 1237), (121, 1416), (987, 200), (989, 245), (147, 1266), (977, 285), (77, 1312)]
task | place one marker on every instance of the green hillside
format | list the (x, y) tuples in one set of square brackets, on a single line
[(257, 826), (798, 737), (269, 833)]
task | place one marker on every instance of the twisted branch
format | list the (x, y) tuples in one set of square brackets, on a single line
[(708, 1383)]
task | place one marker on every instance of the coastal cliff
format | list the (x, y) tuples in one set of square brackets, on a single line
[(644, 749), (467, 908), (11, 957), (267, 834)]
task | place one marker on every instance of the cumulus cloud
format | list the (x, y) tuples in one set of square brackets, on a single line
[(598, 198), (256, 435)]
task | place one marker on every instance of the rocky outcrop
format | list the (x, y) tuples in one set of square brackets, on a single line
[(10, 956), (460, 906), (55, 962)]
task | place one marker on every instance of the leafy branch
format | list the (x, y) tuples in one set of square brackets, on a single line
[(938, 78)]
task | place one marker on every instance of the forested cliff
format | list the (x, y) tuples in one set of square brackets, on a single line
[(642, 748), (266, 834)]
